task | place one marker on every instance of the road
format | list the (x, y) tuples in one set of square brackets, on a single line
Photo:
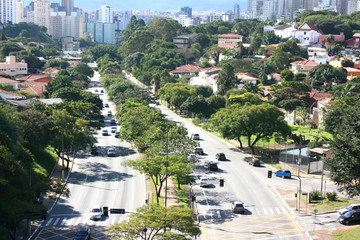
[(97, 181)]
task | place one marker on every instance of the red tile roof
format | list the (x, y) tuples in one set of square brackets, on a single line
[(353, 70), (311, 25), (320, 95), (229, 45), (189, 68), (36, 88), (230, 35), (35, 78), (7, 81), (245, 77), (305, 63), (12, 93), (50, 70), (340, 38)]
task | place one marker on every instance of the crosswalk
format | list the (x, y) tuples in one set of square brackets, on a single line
[(75, 220)]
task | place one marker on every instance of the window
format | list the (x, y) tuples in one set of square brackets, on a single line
[(304, 33)]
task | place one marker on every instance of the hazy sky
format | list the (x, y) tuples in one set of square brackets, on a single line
[(158, 5)]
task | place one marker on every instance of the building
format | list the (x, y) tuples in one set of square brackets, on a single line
[(42, 13), (65, 26), (308, 33), (318, 55), (352, 73), (8, 11), (354, 41), (184, 20), (101, 32), (303, 66), (245, 78), (236, 11), (9, 81), (182, 41), (341, 6), (213, 17), (228, 16), (19, 11), (187, 11), (13, 68), (188, 71), (6, 95), (207, 77), (352, 6), (284, 31), (106, 14), (337, 38), (34, 84), (226, 39), (68, 6)]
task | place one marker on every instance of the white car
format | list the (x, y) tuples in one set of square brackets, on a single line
[(205, 182), (96, 214), (352, 207)]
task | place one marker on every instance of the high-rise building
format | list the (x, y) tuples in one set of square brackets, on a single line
[(106, 14), (19, 11), (308, 4), (42, 13), (68, 5), (341, 6), (236, 11), (8, 11), (352, 6), (268, 10), (187, 11)]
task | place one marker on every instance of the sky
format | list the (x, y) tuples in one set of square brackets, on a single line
[(158, 5)]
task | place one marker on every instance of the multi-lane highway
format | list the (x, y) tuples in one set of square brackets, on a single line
[(97, 181)]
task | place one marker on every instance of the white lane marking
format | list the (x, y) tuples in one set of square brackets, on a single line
[(257, 210), (49, 221), (70, 221), (272, 211), (265, 211), (218, 213), (283, 210), (63, 221), (56, 221), (77, 221), (277, 210)]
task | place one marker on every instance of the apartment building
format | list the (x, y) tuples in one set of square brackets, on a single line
[(12, 68)]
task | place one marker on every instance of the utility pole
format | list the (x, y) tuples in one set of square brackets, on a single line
[(299, 164)]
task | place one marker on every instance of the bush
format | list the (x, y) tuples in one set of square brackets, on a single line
[(315, 195), (196, 121), (206, 126), (331, 196)]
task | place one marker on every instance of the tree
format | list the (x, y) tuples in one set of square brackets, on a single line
[(299, 77), (347, 63), (280, 58), (3, 37), (197, 106), (164, 28), (344, 161), (227, 79), (325, 74), (246, 98), (137, 42), (287, 75), (156, 222), (204, 91)]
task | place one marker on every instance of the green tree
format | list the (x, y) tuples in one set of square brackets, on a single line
[(137, 42), (227, 79), (325, 74), (246, 98), (287, 75), (347, 63), (299, 77), (204, 91), (156, 222)]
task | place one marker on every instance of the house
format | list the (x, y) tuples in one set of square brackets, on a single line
[(36, 78), (352, 73), (207, 77), (321, 100), (245, 78), (183, 41), (318, 55), (34, 84), (308, 33), (336, 62), (9, 81), (275, 76), (6, 95), (337, 38), (284, 30), (354, 42), (303, 66), (188, 70), (13, 68), (51, 71), (225, 39)]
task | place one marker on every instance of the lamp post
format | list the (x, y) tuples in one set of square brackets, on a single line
[(299, 164), (145, 230)]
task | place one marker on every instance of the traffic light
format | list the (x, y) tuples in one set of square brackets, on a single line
[(117, 210), (105, 211), (221, 182), (269, 174)]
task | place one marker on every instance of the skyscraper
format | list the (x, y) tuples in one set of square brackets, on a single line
[(68, 5), (236, 11), (187, 11), (341, 6), (42, 13), (19, 11), (8, 11), (106, 14)]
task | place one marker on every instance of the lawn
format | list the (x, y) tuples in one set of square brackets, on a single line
[(181, 194), (326, 205), (348, 234)]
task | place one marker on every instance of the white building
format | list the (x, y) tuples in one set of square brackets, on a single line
[(42, 13), (106, 14), (318, 55), (8, 11), (236, 11), (185, 20), (19, 11), (268, 10), (62, 25), (207, 77), (11, 67), (284, 31), (308, 33)]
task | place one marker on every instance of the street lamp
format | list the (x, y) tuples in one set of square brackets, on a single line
[(145, 230)]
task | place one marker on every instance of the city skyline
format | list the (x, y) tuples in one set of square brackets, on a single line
[(159, 5)]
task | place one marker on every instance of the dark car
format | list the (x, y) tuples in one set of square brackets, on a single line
[(117, 134), (349, 217), (238, 207), (113, 129), (255, 162), (105, 132), (106, 105), (352, 207), (199, 151), (109, 113), (213, 167), (195, 136), (112, 121), (102, 91), (283, 173), (220, 157), (94, 151), (82, 234)]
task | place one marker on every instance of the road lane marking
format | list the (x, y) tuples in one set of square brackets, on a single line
[(294, 223), (56, 221), (257, 210), (272, 211), (63, 221), (265, 211), (69, 222), (277, 210), (218, 213), (49, 221)]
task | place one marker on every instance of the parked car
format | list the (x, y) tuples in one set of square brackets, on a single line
[(352, 207), (106, 105), (117, 134), (199, 151), (96, 90), (195, 136), (109, 113), (105, 132), (220, 157), (213, 166), (96, 214), (111, 152), (349, 217), (238, 207), (82, 234), (102, 90), (204, 182), (101, 120), (283, 173), (112, 121), (113, 129), (94, 150), (255, 162)]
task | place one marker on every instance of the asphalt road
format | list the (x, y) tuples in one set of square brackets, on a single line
[(97, 181)]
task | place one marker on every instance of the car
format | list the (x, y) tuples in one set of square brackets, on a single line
[(112, 121), (105, 132), (101, 120), (102, 91), (349, 217), (199, 151), (220, 157), (82, 234), (213, 166), (204, 182), (238, 207), (111, 152), (117, 134), (283, 173), (96, 90), (94, 151), (255, 162), (352, 207), (195, 136), (96, 214), (106, 105), (109, 113), (113, 129)]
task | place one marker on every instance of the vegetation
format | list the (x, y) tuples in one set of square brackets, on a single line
[(347, 234)]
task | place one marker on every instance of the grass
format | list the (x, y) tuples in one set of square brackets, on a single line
[(181, 194), (348, 234), (153, 195), (326, 205)]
